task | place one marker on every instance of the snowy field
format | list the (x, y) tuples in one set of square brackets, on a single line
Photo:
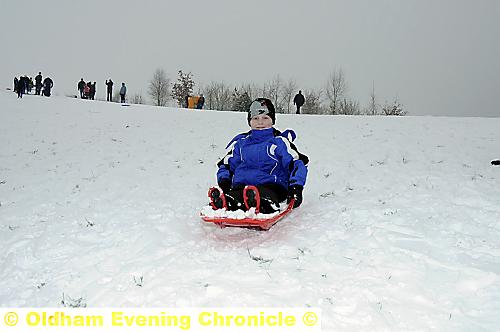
[(399, 229)]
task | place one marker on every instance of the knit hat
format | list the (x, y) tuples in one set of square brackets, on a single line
[(261, 106)]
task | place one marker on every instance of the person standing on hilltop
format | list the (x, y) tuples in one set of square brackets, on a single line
[(81, 87), (123, 92), (299, 100), (38, 83), (109, 90)]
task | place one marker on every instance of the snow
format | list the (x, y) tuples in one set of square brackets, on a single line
[(207, 211), (399, 229)]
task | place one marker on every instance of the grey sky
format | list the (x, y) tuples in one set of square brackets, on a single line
[(439, 57)]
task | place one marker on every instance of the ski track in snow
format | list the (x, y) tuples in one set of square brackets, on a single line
[(398, 230)]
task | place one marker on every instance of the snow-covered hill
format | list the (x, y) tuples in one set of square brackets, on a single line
[(399, 229)]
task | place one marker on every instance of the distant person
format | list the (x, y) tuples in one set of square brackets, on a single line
[(201, 102), (26, 84), (16, 84), (21, 86), (86, 91), (92, 91), (123, 92), (187, 101), (30, 84), (299, 100), (81, 87), (38, 83), (109, 90), (89, 91), (47, 86)]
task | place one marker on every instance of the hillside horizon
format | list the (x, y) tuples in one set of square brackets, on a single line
[(398, 229)]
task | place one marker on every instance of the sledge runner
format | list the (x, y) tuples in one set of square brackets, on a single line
[(261, 168)]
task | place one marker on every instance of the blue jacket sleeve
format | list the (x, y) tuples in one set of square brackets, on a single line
[(291, 160), (230, 162)]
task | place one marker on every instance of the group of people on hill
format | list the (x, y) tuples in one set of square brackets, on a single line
[(25, 84), (88, 90)]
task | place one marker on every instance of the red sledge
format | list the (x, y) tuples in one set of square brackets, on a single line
[(256, 222)]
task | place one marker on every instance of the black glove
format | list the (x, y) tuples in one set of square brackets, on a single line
[(295, 192), (225, 184)]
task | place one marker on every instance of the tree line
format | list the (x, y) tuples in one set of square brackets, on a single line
[(331, 99)]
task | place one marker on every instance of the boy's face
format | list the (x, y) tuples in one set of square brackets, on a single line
[(261, 121)]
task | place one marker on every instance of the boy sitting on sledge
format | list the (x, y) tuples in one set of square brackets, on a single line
[(261, 167)]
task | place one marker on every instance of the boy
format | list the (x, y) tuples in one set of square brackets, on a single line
[(261, 167)]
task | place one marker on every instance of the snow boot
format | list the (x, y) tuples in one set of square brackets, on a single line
[(217, 198), (251, 197)]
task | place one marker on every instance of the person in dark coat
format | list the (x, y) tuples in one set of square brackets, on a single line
[(109, 94), (21, 86), (92, 90), (81, 86), (47, 86), (26, 84), (16, 84), (38, 83), (30, 85), (299, 100)]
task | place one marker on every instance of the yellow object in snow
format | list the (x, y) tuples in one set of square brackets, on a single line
[(193, 101)]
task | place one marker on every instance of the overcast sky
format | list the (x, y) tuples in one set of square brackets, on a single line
[(438, 57)]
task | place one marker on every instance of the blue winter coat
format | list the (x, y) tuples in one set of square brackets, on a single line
[(263, 157)]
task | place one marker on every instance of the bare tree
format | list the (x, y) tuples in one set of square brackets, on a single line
[(313, 102), (251, 89), (159, 87), (218, 96), (223, 97), (210, 91), (137, 99), (372, 107), (272, 91), (289, 90), (335, 89), (349, 107)]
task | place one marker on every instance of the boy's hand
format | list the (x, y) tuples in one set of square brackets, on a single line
[(295, 192), (225, 184)]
